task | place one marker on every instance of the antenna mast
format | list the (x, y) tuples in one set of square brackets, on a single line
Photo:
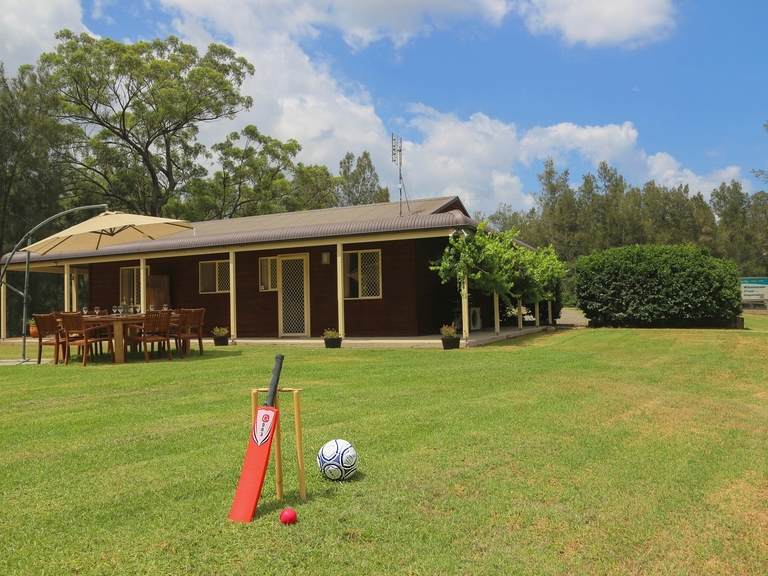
[(397, 158)]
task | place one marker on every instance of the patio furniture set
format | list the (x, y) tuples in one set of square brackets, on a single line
[(89, 333)]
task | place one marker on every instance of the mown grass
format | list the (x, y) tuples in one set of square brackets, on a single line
[(578, 452)]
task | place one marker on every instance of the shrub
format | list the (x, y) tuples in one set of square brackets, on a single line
[(660, 286)]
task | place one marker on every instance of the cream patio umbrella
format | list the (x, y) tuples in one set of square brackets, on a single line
[(108, 229)]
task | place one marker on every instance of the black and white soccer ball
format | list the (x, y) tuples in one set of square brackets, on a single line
[(337, 460)]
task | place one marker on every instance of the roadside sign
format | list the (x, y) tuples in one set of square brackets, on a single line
[(754, 289)]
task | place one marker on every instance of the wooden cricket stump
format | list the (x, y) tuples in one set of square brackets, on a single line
[(277, 440)]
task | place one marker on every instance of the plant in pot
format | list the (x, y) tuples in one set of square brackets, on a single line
[(451, 339), (220, 336), (332, 338), (32, 328)]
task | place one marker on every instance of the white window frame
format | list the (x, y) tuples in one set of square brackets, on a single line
[(217, 276), (267, 266), (345, 263)]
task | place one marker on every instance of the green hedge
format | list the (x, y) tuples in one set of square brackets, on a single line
[(657, 286)]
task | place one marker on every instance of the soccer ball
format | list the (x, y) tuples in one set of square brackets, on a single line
[(337, 460)]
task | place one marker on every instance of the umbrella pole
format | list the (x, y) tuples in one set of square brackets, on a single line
[(25, 310), (28, 238)]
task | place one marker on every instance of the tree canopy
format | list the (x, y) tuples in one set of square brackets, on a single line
[(359, 182), (606, 211), (495, 262), (261, 177), (139, 107)]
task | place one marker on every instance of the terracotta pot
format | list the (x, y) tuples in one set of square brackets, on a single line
[(33, 331)]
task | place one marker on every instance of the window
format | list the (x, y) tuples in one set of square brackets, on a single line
[(214, 277), (362, 274), (267, 274), (130, 285)]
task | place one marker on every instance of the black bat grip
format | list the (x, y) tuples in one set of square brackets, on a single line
[(275, 379)]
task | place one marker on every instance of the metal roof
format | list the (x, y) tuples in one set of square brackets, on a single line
[(417, 215)]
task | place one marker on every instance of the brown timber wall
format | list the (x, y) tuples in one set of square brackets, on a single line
[(413, 302)]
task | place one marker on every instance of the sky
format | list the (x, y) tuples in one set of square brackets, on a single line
[(480, 91)]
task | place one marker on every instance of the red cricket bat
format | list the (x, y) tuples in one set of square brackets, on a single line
[(257, 455)]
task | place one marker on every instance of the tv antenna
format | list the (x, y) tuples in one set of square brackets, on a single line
[(397, 158)]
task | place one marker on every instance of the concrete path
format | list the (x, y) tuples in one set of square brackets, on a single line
[(569, 318), (477, 338)]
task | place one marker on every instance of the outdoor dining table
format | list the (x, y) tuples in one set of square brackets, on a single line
[(118, 322)]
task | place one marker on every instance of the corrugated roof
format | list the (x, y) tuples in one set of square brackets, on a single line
[(417, 215), (342, 215)]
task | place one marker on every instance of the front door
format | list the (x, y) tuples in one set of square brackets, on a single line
[(293, 291)]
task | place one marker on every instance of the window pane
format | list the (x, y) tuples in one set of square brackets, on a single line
[(273, 273), (127, 284), (207, 277), (369, 275), (263, 273), (222, 283), (351, 276)]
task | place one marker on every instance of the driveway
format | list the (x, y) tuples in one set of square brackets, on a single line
[(571, 316)]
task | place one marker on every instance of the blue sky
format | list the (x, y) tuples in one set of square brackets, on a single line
[(482, 91)]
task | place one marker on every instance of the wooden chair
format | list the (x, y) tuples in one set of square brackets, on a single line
[(156, 327), (78, 333), (49, 333), (189, 327)]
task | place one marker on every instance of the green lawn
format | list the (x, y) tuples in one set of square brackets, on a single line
[(577, 452)]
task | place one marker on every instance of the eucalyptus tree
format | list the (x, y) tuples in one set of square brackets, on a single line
[(32, 181), (138, 108), (731, 205), (257, 174), (757, 222), (359, 181)]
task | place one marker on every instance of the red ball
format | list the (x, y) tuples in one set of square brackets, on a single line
[(288, 516)]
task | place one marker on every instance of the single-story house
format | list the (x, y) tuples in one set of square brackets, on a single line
[(363, 270)]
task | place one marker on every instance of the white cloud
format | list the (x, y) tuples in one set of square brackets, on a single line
[(481, 159), (484, 160), (600, 22), (610, 142), (27, 28), (360, 21), (471, 159), (293, 96), (667, 171)]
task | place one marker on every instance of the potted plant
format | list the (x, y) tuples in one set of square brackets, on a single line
[(220, 336), (32, 328), (451, 339), (332, 338)]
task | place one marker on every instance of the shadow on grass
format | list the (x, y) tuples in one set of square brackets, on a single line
[(192, 356), (329, 491)]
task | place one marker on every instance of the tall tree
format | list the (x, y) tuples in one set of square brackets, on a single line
[(762, 174), (757, 223), (360, 181), (621, 214), (32, 181), (731, 204), (258, 175), (144, 101), (560, 219)]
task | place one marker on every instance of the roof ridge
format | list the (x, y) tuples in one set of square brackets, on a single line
[(448, 199)]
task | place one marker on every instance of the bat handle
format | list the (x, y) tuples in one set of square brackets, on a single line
[(275, 379)]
